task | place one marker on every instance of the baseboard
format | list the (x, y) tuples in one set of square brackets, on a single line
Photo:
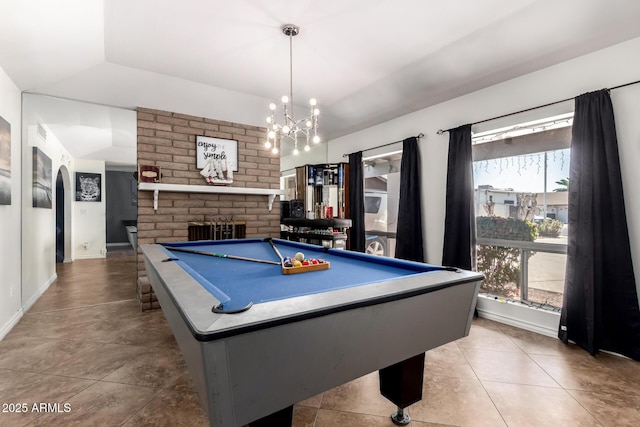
[(116, 245), (532, 319), (6, 328), (38, 294), (95, 256)]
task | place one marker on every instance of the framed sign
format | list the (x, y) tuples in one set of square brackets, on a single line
[(217, 149)]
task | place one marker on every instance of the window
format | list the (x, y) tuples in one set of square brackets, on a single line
[(521, 204), (381, 197), (372, 204)]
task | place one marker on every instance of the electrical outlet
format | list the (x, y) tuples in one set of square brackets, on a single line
[(85, 245)]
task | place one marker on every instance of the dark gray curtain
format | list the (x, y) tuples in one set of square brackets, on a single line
[(460, 223), (402, 382), (600, 308), (409, 232), (356, 203)]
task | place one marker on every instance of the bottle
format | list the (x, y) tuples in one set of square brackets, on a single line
[(319, 176), (311, 179)]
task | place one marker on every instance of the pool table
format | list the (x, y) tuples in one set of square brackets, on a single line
[(256, 340)]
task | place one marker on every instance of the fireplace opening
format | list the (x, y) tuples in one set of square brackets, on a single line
[(217, 229)]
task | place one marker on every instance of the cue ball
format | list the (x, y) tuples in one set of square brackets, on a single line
[(299, 256)]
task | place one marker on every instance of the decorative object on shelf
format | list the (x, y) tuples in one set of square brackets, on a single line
[(42, 183), (306, 128), (88, 187), (218, 159), (149, 173)]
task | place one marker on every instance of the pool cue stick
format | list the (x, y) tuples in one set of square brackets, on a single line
[(273, 245), (240, 258)]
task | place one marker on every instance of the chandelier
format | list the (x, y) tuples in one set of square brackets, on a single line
[(305, 129)]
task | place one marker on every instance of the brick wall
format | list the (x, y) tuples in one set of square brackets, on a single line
[(168, 140)]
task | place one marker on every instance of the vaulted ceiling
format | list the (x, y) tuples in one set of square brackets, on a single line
[(365, 61)]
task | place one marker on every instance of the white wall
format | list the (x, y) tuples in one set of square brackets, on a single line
[(10, 274), (89, 218), (613, 66), (315, 156), (38, 224)]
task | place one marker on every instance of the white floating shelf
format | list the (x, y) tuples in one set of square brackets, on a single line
[(182, 188)]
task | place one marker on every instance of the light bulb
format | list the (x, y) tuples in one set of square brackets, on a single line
[(285, 99), (275, 150), (316, 139), (272, 106), (316, 112), (274, 127), (285, 129), (271, 134), (267, 144), (309, 123), (307, 148), (296, 152), (269, 119), (313, 102)]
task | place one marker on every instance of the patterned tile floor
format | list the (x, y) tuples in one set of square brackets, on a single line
[(86, 344)]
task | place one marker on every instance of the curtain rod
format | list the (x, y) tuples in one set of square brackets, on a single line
[(440, 131), (419, 136)]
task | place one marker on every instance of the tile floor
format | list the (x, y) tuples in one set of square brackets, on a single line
[(85, 343)]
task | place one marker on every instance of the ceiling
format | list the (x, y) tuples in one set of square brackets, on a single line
[(365, 62)]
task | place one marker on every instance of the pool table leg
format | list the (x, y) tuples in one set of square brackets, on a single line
[(401, 383), (282, 418)]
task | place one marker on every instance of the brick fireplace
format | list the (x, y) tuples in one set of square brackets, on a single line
[(168, 140)]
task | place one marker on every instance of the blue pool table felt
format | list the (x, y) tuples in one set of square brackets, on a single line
[(236, 283)]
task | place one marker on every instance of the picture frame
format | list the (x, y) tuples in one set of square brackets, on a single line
[(42, 193), (5, 162), (88, 187), (216, 148)]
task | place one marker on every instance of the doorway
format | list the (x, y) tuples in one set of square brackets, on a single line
[(63, 198), (59, 218)]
